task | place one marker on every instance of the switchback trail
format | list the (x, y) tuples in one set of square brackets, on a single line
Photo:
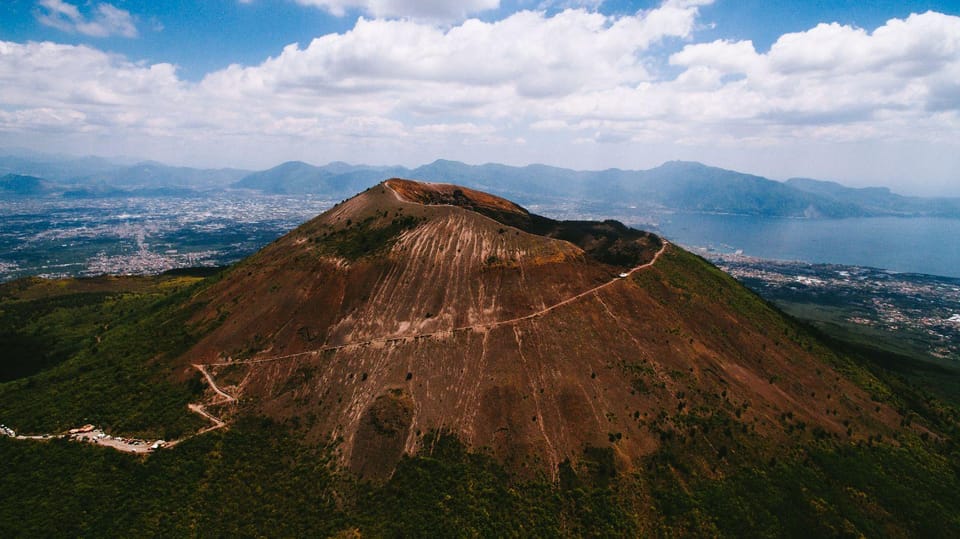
[(203, 370), (200, 409)]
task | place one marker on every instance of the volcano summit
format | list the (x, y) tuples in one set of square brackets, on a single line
[(414, 307)]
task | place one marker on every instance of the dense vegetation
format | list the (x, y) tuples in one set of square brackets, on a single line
[(253, 480), (39, 334), (824, 489), (259, 479), (85, 352)]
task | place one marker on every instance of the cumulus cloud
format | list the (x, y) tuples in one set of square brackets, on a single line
[(415, 9), (528, 54), (830, 74), (106, 19), (50, 74), (404, 87)]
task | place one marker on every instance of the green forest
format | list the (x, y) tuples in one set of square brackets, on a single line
[(257, 479)]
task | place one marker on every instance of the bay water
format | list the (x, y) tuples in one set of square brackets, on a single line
[(900, 244)]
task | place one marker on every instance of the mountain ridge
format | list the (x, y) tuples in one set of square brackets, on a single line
[(686, 186), (675, 185), (24, 185), (877, 200)]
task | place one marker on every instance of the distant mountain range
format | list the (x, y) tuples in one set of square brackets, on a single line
[(676, 185), (31, 174), (20, 184), (877, 200), (336, 179)]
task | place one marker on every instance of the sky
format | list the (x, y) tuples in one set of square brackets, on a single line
[(865, 93)]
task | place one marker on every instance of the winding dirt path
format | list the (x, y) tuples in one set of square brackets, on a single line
[(213, 385), (200, 409), (571, 299)]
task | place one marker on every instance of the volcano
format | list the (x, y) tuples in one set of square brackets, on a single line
[(414, 308)]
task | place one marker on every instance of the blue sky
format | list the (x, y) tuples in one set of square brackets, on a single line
[(205, 35), (864, 92)]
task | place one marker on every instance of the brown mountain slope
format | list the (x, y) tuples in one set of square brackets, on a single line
[(413, 307)]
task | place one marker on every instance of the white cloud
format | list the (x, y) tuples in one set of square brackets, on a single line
[(106, 19), (527, 54), (444, 10), (832, 75), (569, 4), (410, 91)]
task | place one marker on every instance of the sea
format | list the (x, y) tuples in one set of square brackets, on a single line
[(926, 245)]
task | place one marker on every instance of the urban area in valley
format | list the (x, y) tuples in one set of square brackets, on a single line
[(59, 237), (907, 312)]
